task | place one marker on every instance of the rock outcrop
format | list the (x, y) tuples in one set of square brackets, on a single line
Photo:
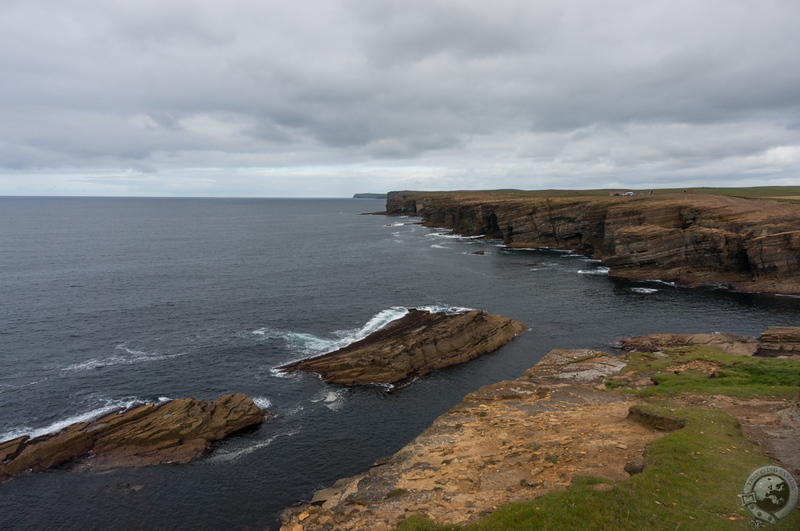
[(506, 442), (753, 245), (777, 341), (729, 343), (174, 432), (519, 439), (413, 345)]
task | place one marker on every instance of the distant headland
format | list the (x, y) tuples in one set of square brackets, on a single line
[(370, 196), (746, 238)]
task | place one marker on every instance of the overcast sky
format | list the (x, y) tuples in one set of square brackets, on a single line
[(326, 98)]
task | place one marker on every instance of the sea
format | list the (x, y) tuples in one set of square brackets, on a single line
[(110, 302)]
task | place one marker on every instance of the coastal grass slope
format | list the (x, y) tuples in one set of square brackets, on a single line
[(692, 476), (687, 484)]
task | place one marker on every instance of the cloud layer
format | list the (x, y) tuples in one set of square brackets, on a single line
[(327, 97)]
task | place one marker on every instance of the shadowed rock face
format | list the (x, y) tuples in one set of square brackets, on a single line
[(174, 432), (752, 244), (412, 346)]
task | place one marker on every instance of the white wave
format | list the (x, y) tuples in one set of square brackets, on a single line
[(130, 357), (59, 425), (445, 308), (598, 271), (333, 400), (646, 291), (262, 402), (222, 456), (437, 246), (310, 345)]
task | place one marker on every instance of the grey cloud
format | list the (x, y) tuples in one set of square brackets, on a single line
[(506, 89)]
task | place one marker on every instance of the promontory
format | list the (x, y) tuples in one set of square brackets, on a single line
[(413, 345), (686, 238)]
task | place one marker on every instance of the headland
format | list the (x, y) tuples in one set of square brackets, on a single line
[(686, 238)]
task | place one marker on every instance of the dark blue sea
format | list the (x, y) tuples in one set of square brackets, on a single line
[(109, 302)]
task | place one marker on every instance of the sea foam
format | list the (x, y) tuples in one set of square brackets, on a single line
[(87, 416)]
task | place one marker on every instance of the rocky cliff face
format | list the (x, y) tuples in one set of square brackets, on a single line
[(412, 346), (176, 431), (751, 244)]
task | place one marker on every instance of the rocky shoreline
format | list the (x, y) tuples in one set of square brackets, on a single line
[(411, 346), (520, 439), (751, 245), (176, 431)]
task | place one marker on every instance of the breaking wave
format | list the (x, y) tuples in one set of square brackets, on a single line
[(128, 357), (311, 345), (87, 416)]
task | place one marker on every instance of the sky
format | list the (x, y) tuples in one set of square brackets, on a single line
[(327, 98)]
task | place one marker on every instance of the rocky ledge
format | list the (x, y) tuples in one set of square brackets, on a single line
[(507, 442), (413, 345), (775, 342), (520, 439), (173, 432), (753, 245)]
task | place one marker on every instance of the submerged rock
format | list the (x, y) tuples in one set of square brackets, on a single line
[(174, 432), (412, 346)]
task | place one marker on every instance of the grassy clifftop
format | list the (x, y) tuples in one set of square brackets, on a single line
[(692, 475)]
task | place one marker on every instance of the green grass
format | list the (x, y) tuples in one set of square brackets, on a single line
[(691, 481), (778, 193), (740, 376)]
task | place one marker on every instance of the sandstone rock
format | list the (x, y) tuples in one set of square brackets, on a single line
[(779, 341), (176, 431), (729, 343), (412, 346), (691, 239)]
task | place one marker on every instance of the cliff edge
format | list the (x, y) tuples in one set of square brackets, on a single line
[(586, 439), (752, 245)]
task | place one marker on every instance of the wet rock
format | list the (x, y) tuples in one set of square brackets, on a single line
[(409, 347), (176, 431)]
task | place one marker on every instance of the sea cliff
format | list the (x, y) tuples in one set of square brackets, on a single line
[(588, 439), (690, 239)]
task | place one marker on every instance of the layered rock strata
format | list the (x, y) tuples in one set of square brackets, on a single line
[(690, 239), (777, 341), (413, 345), (174, 432)]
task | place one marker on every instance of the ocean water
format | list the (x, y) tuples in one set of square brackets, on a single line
[(108, 302)]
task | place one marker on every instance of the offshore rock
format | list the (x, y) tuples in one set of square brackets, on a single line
[(753, 245), (414, 345), (174, 432)]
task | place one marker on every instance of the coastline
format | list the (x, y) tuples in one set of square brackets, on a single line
[(576, 414), (747, 244)]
